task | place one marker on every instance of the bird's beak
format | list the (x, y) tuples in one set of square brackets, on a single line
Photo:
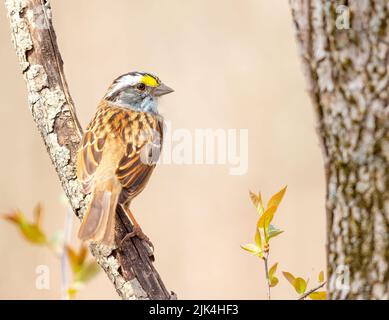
[(162, 89)]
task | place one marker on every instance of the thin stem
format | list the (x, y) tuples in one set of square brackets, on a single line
[(306, 294), (266, 259), (64, 257)]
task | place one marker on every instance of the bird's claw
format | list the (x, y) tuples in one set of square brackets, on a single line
[(137, 232)]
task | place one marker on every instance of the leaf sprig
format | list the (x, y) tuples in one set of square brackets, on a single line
[(264, 229), (264, 232), (300, 286), (32, 231)]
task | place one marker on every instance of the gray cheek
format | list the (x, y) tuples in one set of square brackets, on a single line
[(128, 98)]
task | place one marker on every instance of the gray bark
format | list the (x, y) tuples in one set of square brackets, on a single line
[(347, 76), (129, 268)]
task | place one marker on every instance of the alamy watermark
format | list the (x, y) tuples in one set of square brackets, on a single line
[(340, 281), (342, 21), (42, 280), (199, 147)]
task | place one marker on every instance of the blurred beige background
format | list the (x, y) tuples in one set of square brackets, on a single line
[(233, 64)]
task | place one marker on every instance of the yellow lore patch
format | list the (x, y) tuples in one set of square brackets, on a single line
[(149, 80)]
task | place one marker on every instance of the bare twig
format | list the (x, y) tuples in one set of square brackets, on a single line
[(65, 267), (306, 294), (265, 260), (131, 268)]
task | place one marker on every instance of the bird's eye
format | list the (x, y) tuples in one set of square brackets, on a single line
[(141, 86)]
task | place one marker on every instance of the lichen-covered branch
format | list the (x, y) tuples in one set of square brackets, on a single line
[(344, 46), (130, 268)]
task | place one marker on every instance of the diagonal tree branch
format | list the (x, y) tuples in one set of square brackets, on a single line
[(129, 268)]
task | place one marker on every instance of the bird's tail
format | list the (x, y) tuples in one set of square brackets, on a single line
[(98, 223)]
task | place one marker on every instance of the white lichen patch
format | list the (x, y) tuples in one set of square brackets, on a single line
[(59, 154), (105, 251), (74, 192), (53, 100), (36, 77), (21, 37), (39, 15), (133, 290), (15, 6), (130, 290), (126, 289), (46, 109), (45, 104), (69, 173)]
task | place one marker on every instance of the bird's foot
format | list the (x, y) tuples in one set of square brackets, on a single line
[(137, 232)]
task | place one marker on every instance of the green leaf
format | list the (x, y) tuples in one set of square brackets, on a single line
[(300, 285), (252, 248), (38, 214), (72, 292), (264, 221), (82, 254), (276, 199), (33, 234), (76, 259), (73, 258), (258, 239), (87, 272), (266, 217), (273, 231), (256, 199), (318, 295), (273, 281), (31, 231), (290, 277), (321, 276), (273, 269), (272, 278)]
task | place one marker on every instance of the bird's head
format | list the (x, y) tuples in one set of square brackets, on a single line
[(137, 90)]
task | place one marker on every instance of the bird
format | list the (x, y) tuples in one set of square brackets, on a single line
[(118, 153)]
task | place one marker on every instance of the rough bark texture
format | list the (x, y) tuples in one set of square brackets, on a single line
[(130, 269), (347, 74)]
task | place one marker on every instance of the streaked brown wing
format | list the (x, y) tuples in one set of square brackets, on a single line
[(89, 157), (142, 153)]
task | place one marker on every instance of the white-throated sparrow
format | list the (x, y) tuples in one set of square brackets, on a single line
[(119, 151)]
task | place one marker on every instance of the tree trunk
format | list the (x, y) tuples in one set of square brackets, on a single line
[(344, 46)]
